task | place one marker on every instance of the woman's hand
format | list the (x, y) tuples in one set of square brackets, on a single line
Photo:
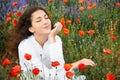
[(57, 28), (87, 62)]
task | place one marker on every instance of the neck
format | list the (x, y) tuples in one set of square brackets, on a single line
[(41, 39)]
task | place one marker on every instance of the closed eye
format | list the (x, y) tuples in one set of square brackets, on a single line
[(38, 21)]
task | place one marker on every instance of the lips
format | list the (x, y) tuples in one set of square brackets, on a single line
[(46, 27)]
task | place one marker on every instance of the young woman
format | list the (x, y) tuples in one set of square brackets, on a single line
[(38, 37)]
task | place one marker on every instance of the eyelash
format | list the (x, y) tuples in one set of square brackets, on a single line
[(45, 18)]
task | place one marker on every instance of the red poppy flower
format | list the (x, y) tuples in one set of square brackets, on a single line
[(65, 1), (110, 32), (81, 33), (14, 73), (65, 31), (9, 14), (50, 0), (81, 8), (62, 20), (68, 21), (6, 61), (81, 66), (14, 3), (117, 4), (90, 17), (94, 5), (91, 32), (8, 19), (55, 64), (107, 51), (27, 56), (95, 23), (67, 67), (78, 20), (69, 74), (110, 76), (80, 1), (15, 70), (19, 13), (15, 21), (113, 37), (89, 6), (36, 71), (50, 15)]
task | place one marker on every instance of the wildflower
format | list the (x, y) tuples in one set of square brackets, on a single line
[(81, 8), (67, 67), (8, 19), (94, 5), (15, 70), (80, 1), (117, 4), (27, 56), (50, 0), (69, 74), (81, 33), (50, 15), (107, 51), (15, 21), (9, 14), (95, 23), (81, 67), (36, 71), (110, 76), (113, 38), (65, 1), (55, 64), (62, 20), (110, 32), (6, 61), (78, 20), (19, 13), (91, 32), (14, 3), (90, 17), (89, 6), (65, 31), (69, 21)]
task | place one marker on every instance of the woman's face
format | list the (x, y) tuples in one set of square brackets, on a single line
[(41, 24)]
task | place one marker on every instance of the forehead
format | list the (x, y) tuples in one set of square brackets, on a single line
[(38, 13)]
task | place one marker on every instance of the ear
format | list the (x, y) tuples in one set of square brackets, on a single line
[(31, 29)]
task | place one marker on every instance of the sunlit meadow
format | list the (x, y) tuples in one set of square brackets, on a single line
[(91, 29)]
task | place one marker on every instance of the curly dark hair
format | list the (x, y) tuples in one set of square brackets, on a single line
[(22, 30)]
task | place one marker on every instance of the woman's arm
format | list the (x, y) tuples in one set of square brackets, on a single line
[(87, 62)]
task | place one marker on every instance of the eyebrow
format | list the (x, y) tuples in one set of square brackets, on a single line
[(40, 17)]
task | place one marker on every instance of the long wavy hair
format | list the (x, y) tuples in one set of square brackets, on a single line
[(22, 30)]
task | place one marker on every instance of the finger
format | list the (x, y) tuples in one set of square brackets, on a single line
[(92, 63)]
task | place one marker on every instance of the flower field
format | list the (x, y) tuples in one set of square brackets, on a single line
[(91, 29)]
